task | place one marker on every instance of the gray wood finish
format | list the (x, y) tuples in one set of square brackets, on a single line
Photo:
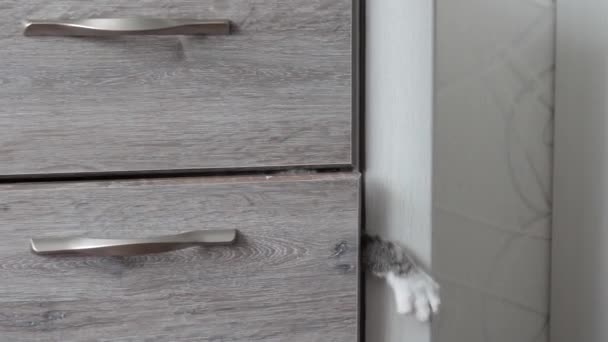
[(293, 275), (277, 92)]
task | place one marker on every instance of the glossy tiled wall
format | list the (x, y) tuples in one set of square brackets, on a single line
[(492, 160)]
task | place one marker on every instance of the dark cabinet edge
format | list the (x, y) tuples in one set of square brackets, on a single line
[(188, 180), (358, 83), (116, 175)]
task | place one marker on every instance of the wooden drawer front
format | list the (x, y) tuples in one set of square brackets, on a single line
[(292, 276), (276, 92)]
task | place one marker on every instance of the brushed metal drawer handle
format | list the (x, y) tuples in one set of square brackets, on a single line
[(110, 27), (130, 247)]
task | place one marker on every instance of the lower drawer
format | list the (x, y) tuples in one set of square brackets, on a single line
[(291, 276)]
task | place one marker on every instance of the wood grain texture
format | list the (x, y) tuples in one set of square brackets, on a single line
[(277, 92), (292, 276)]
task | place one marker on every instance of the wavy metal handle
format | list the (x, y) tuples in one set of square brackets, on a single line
[(109, 27), (130, 247)]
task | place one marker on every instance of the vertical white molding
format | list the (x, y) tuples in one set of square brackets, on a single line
[(579, 300), (398, 147)]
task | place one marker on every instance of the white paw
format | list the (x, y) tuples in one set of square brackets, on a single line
[(416, 293)]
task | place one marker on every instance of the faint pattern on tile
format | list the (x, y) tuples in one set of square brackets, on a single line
[(493, 158), (507, 265), (474, 316)]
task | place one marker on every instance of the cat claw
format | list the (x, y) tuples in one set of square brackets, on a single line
[(415, 292)]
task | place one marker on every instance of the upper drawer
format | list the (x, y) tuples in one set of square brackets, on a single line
[(276, 92)]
